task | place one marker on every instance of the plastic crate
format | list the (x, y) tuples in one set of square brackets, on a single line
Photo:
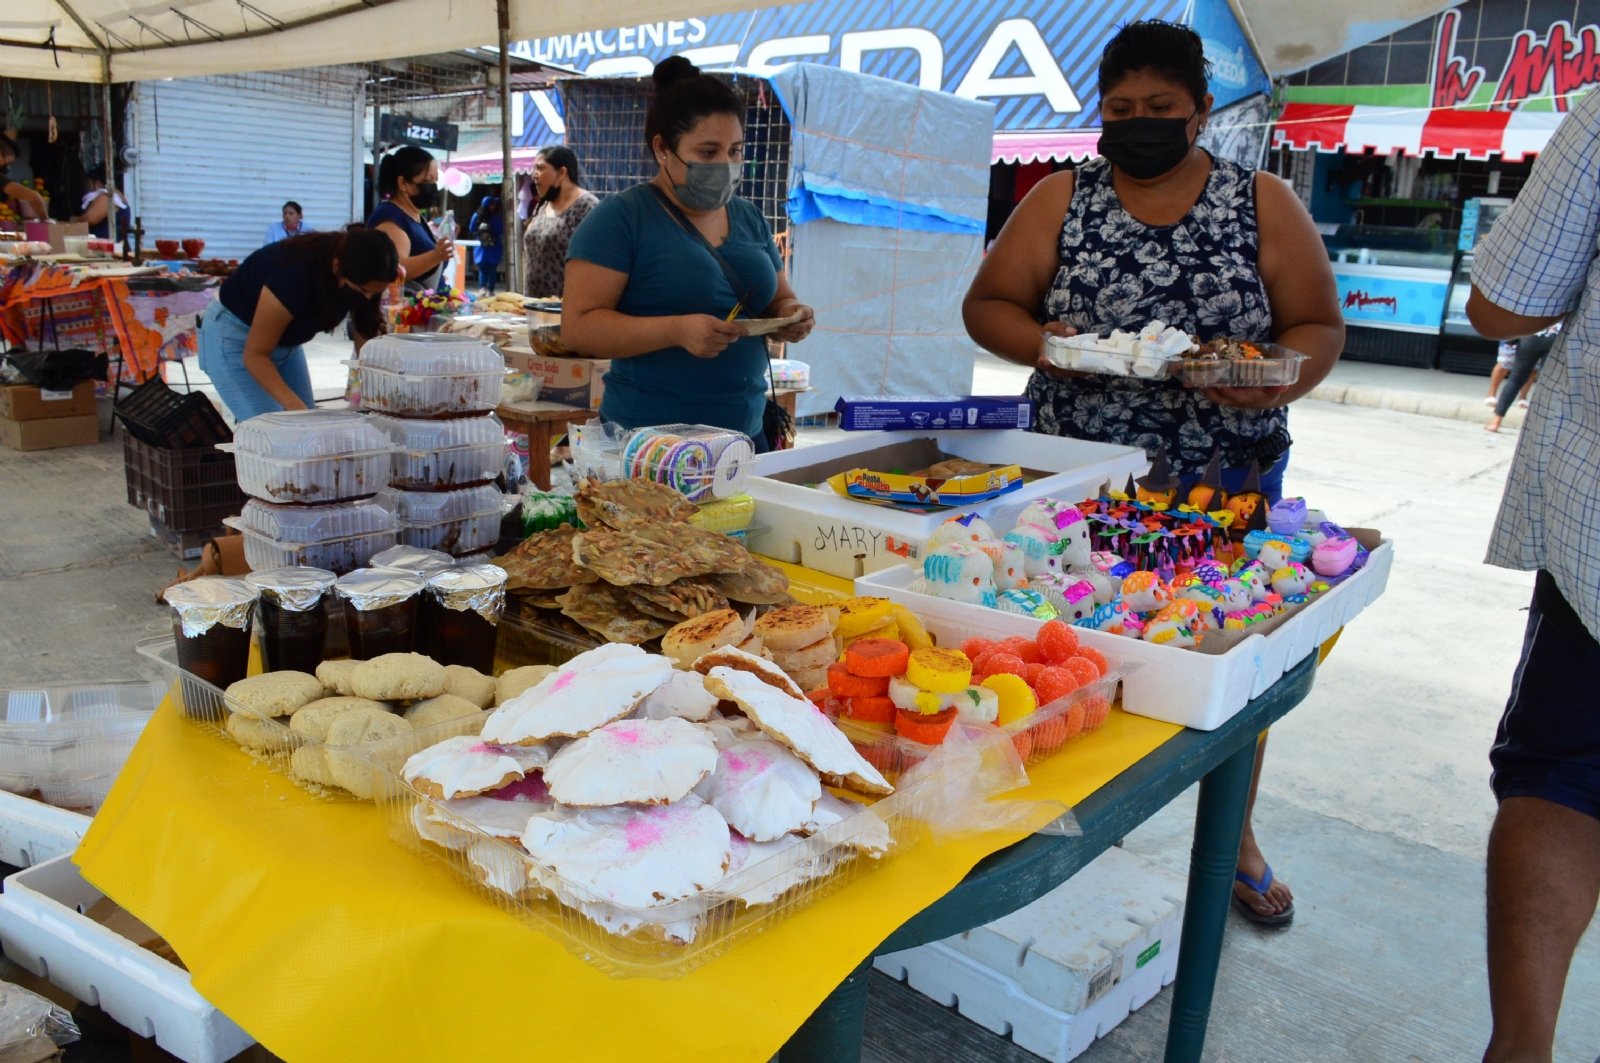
[(186, 490), (155, 414)]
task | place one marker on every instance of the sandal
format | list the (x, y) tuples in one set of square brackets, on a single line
[(1281, 919)]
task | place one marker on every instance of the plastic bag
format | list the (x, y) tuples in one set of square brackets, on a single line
[(59, 370), (978, 764), (26, 1016)]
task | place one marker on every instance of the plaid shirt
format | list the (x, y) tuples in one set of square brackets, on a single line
[(1540, 261)]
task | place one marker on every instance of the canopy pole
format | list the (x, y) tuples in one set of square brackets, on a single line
[(510, 239), (110, 147)]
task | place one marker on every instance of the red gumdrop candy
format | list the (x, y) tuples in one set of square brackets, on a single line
[(1030, 672), (1054, 683), (1089, 653), (1084, 669), (975, 648), (1057, 641), (995, 663), (1024, 648)]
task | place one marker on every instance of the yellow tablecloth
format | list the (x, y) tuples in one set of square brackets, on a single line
[(303, 922)]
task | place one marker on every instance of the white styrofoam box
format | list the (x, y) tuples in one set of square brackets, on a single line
[(1187, 687), (43, 929), (32, 832), (821, 529), (998, 1003), (1070, 947)]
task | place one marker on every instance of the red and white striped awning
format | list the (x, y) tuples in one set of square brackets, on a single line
[(1043, 145), (1443, 131)]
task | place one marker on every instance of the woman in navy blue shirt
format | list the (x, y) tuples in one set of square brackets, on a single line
[(408, 181), (282, 296)]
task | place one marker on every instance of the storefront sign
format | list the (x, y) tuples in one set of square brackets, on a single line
[(1035, 59), (402, 129), (1392, 297)]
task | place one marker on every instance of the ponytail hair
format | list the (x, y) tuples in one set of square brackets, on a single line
[(684, 95), (409, 162), (364, 255)]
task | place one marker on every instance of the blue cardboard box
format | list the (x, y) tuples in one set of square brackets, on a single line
[(888, 413)]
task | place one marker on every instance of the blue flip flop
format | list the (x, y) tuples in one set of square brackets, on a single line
[(1282, 919)]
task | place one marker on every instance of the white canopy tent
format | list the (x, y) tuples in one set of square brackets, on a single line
[(1291, 35)]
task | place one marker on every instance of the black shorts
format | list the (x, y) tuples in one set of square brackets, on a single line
[(1548, 743)]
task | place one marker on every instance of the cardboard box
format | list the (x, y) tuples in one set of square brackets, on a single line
[(938, 412), (568, 381), (51, 432), (23, 402), (56, 232)]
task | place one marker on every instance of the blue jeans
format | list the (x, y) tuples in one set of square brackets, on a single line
[(1233, 479), (222, 337)]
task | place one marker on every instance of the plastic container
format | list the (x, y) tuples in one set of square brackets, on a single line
[(1279, 369), (69, 740), (456, 522), (211, 627), (530, 635), (43, 928), (456, 452), (155, 414), (698, 461), (665, 941), (430, 375), (463, 607), (311, 456), (1107, 361), (292, 616), (187, 490), (338, 555), (339, 537), (789, 374), (380, 609)]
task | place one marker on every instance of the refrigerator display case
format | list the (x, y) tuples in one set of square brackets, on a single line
[(1393, 286)]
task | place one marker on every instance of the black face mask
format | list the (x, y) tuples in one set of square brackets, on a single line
[(426, 195), (1144, 148)]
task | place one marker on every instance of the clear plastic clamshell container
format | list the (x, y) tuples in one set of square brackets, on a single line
[(326, 770), (339, 537), (68, 741), (1045, 730), (1279, 367), (454, 452), (457, 522), (310, 456), (430, 374), (1064, 353), (668, 940)]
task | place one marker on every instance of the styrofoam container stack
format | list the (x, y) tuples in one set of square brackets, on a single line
[(458, 522), (430, 375), (437, 454), (67, 741), (338, 537)]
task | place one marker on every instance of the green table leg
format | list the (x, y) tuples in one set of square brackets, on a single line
[(1218, 827), (834, 1031)]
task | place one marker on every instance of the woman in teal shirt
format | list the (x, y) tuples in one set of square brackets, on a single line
[(647, 292)]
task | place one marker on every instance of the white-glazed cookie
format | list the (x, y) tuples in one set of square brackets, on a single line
[(798, 724), (469, 684), (683, 695), (335, 676), (398, 677), (868, 833), (502, 813), (643, 762), (466, 766), (359, 727), (275, 693), (515, 681), (764, 888), (764, 670), (439, 709), (573, 703), (633, 856), (762, 790)]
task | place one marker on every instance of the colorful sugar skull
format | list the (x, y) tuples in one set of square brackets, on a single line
[(967, 528), (1072, 536), (1275, 553), (1105, 587), (1171, 631), (1110, 563), (960, 572), (1256, 579), (1287, 516), (1112, 617), (1036, 543), (1236, 595), (1144, 592), (1044, 511), (1210, 572), (1025, 602), (1183, 582), (1078, 601), (1010, 564), (1334, 556), (1292, 578)]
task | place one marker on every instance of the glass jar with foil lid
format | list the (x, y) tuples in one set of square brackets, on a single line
[(211, 627), (417, 560), (293, 609), (463, 607), (380, 610)]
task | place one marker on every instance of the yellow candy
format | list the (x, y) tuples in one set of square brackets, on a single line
[(887, 630), (1016, 697), (857, 616), (912, 633), (941, 671), (927, 703)]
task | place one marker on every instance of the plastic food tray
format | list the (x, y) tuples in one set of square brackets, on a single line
[(44, 929), (207, 705), (1107, 362), (311, 456), (450, 453), (336, 555), (314, 524), (458, 522), (530, 635), (1183, 686), (1280, 368), (68, 741), (430, 375), (661, 942)]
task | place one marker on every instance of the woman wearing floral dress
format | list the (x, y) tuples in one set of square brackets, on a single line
[(1157, 228), (561, 207)]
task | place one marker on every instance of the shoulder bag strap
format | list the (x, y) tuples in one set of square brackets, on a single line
[(734, 280)]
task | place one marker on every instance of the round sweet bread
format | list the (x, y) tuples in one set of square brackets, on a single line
[(314, 719), (438, 710), (469, 684), (359, 727), (335, 676), (794, 627), (689, 640), (516, 680), (255, 734), (398, 677), (275, 693)]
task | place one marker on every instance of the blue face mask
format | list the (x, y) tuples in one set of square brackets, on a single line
[(707, 185)]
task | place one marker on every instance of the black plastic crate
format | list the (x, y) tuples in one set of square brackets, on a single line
[(155, 414), (187, 490)]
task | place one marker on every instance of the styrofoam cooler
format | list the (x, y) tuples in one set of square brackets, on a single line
[(1067, 968), (32, 832), (1182, 686), (821, 529), (43, 929)]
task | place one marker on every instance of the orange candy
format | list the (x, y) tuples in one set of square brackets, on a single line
[(845, 685), (819, 697), (1088, 653), (1096, 709), (1001, 661), (1086, 670), (927, 729), (876, 658), (870, 710), (1055, 683), (1057, 641), (1023, 648)]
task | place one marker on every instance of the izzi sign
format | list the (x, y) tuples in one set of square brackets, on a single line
[(401, 129)]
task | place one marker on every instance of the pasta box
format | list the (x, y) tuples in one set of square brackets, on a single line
[(568, 381)]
